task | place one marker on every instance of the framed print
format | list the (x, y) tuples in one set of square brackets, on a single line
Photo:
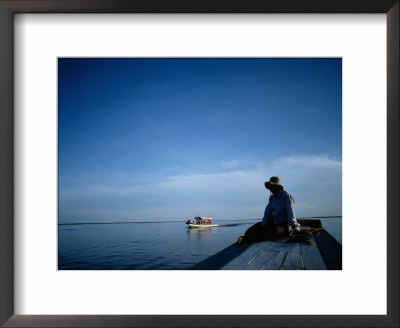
[(50, 46)]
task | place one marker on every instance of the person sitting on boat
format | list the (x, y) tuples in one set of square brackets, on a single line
[(279, 216)]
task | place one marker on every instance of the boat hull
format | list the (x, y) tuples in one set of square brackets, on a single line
[(197, 226)]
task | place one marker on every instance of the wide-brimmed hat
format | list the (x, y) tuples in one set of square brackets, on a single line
[(274, 181)]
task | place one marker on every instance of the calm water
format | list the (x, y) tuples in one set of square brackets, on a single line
[(150, 246)]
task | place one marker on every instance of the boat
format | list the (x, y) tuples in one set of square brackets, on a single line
[(200, 222), (324, 253)]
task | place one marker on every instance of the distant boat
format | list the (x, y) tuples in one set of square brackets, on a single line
[(200, 222)]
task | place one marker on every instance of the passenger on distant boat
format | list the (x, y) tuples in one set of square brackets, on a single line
[(200, 220), (279, 217)]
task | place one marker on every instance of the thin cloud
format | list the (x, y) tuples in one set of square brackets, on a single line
[(314, 181), (230, 164)]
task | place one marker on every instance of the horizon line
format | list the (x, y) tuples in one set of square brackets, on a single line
[(168, 221)]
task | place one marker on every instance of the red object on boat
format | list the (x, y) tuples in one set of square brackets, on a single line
[(203, 220)]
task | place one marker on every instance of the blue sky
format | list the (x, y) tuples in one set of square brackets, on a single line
[(169, 139)]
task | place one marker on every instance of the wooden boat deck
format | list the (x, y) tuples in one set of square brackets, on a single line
[(325, 254), (278, 255)]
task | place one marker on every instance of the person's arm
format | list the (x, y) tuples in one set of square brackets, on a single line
[(291, 216), (267, 215)]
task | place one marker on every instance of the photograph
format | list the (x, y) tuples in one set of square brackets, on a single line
[(199, 163), (149, 148)]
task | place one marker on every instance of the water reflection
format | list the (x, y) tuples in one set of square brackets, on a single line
[(200, 233), (201, 230)]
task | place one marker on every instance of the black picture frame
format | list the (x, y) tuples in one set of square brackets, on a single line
[(10, 7)]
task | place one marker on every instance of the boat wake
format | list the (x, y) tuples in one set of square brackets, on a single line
[(233, 224)]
